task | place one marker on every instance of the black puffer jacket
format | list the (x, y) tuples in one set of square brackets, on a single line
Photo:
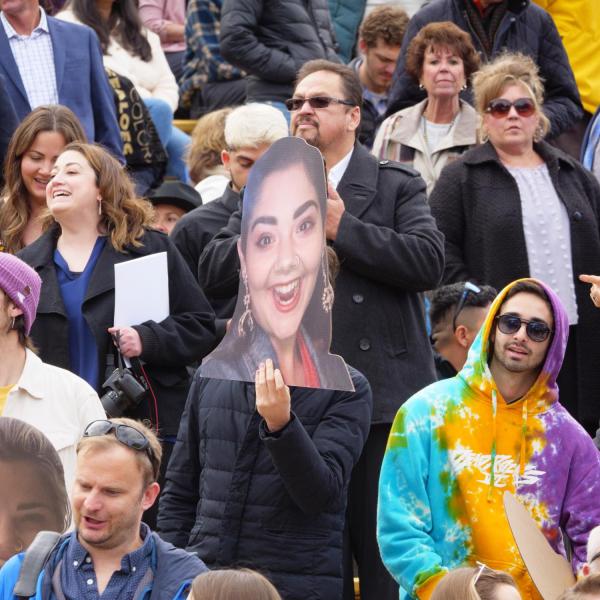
[(240, 496), (525, 28), (272, 39)]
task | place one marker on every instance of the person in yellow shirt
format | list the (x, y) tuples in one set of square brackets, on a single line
[(578, 22)]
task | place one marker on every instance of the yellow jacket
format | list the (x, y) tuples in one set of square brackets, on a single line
[(578, 22)]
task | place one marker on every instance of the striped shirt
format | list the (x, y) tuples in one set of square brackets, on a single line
[(35, 60)]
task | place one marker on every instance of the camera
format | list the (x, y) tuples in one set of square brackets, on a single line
[(124, 393)]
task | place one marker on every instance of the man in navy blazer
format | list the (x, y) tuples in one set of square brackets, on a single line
[(81, 83), (8, 122)]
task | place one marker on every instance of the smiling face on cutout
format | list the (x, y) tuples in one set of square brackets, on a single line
[(281, 256)]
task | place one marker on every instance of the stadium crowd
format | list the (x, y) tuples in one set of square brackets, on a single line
[(437, 166)]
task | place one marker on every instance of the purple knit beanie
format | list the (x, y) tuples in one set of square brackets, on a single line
[(22, 285)]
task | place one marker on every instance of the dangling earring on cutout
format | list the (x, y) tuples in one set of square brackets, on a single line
[(247, 314), (421, 86), (99, 207), (12, 323), (464, 87), (327, 296)]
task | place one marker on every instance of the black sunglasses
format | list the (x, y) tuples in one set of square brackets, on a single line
[(315, 102), (537, 331), (500, 107), (130, 436), (469, 288)]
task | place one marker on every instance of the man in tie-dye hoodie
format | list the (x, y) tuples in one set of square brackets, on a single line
[(456, 447)]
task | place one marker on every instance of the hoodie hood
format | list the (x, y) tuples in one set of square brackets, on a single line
[(544, 392)]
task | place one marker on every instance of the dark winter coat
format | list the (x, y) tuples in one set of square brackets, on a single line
[(272, 39), (184, 337), (525, 28), (194, 231), (390, 250), (238, 495), (477, 205)]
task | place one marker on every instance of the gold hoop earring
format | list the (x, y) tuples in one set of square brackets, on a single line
[(246, 317)]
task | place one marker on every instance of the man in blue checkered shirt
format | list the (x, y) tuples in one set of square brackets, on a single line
[(111, 554)]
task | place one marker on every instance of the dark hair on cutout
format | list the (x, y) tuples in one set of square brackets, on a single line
[(445, 299), (386, 23), (123, 24), (350, 81), (233, 584), (441, 35), (20, 441)]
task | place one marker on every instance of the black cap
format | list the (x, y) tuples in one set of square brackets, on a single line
[(176, 193)]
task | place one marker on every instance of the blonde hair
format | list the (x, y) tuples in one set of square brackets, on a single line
[(208, 140), (253, 125), (15, 211), (124, 216), (510, 68), (148, 460)]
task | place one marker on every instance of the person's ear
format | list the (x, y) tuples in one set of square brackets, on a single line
[(353, 118), (225, 158), (461, 333), (14, 310), (150, 495), (362, 46), (586, 569)]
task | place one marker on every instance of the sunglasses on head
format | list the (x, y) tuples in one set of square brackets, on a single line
[(537, 331), (500, 107), (315, 102), (127, 435), (469, 288)]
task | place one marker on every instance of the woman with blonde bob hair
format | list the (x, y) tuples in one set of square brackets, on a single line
[(518, 207), (476, 583), (233, 584), (97, 222), (33, 148)]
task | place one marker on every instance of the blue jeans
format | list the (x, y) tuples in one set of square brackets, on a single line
[(173, 139)]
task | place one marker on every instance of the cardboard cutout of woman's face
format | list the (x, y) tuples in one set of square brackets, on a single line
[(283, 310)]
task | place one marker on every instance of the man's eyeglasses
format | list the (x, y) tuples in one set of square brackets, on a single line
[(130, 436), (469, 288), (315, 102), (537, 331), (500, 107)]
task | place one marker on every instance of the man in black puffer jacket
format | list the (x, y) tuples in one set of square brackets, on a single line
[(259, 478), (515, 25), (272, 39)]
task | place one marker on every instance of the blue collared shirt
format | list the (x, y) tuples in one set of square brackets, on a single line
[(78, 578), (34, 56)]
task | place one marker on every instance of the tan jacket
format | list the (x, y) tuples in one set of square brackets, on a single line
[(59, 403), (401, 138)]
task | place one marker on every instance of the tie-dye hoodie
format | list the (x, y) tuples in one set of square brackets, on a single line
[(455, 447)]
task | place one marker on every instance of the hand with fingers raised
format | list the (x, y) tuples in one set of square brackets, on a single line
[(273, 402)]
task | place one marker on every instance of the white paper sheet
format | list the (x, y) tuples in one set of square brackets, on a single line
[(142, 290)]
